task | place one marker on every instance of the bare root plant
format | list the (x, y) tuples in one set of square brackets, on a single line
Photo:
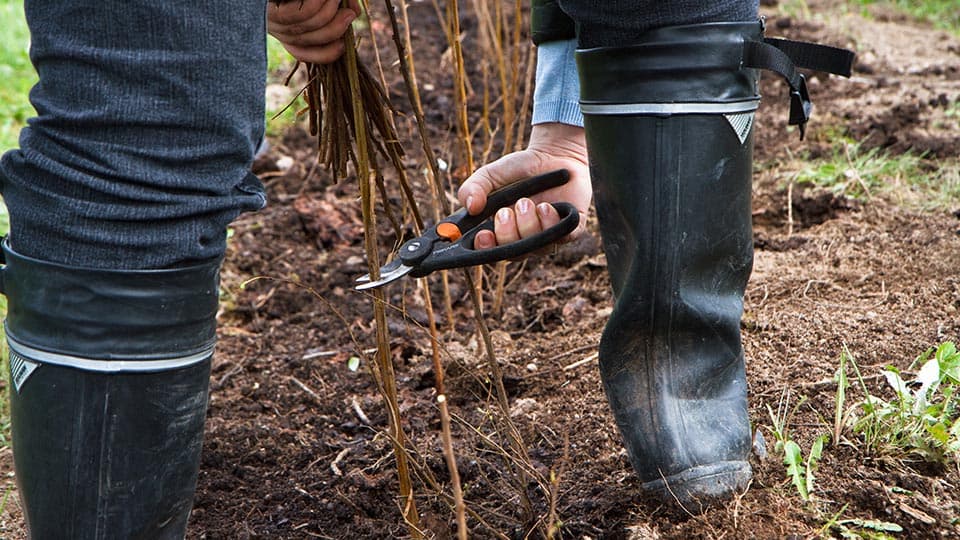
[(352, 117)]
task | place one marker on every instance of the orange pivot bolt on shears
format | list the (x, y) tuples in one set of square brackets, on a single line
[(450, 243)]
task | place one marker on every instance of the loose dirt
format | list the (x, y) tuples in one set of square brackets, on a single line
[(296, 443)]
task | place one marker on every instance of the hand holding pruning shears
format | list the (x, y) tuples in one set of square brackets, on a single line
[(450, 244), (551, 146)]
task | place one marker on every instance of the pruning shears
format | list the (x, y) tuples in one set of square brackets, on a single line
[(449, 244)]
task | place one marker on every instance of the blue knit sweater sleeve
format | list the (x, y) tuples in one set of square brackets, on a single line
[(556, 96)]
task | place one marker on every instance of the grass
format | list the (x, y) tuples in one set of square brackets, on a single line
[(909, 179), (944, 14), (279, 116), (16, 72)]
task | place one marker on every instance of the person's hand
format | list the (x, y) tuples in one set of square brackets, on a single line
[(552, 146), (311, 30)]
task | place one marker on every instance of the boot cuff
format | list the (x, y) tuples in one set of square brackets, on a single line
[(101, 315), (697, 64)]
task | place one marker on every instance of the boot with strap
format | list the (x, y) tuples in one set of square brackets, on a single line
[(669, 128), (109, 379)]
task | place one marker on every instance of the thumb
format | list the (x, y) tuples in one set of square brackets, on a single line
[(504, 171)]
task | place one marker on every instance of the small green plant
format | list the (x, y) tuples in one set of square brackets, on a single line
[(867, 529), (839, 419), (800, 471), (920, 422), (860, 529)]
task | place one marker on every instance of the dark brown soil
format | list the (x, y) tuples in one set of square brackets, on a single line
[(296, 442)]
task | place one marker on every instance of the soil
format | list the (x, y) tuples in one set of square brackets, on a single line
[(297, 443)]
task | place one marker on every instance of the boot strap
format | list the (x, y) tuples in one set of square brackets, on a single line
[(783, 56)]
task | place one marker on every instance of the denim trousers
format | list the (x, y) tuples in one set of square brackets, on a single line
[(148, 115), (611, 23)]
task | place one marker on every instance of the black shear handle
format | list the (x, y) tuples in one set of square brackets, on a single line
[(415, 251), (508, 195), (461, 253)]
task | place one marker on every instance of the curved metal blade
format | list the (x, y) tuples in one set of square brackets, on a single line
[(392, 266), (390, 272)]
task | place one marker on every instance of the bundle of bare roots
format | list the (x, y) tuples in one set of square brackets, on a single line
[(352, 117)]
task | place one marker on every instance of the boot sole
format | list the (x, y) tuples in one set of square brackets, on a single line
[(700, 487)]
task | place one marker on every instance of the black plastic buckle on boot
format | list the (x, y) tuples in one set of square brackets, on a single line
[(800, 106), (783, 56)]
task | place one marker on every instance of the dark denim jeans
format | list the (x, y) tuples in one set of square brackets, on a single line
[(610, 23), (148, 116)]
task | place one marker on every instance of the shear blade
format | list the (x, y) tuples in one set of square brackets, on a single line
[(390, 272), (388, 268)]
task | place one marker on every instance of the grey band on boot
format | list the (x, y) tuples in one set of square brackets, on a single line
[(706, 107), (31, 354)]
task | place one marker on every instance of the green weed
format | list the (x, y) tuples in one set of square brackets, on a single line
[(921, 421), (860, 529), (867, 529), (800, 471)]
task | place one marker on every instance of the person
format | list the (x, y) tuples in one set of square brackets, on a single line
[(650, 106), (147, 118)]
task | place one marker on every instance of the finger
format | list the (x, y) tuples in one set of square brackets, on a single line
[(484, 240), (528, 223), (505, 227), (504, 171), (324, 54), (294, 12), (308, 35), (547, 215)]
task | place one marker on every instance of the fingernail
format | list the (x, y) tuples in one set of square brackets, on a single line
[(503, 215), (484, 242), (543, 209), (469, 202), (523, 206)]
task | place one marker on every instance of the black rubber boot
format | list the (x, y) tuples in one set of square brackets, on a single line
[(109, 379), (669, 132)]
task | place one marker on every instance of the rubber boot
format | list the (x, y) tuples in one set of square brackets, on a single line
[(669, 134), (109, 381)]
